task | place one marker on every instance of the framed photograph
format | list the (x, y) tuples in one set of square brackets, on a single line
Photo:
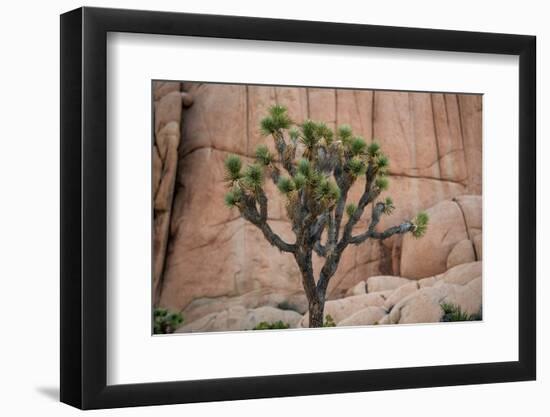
[(256, 208)]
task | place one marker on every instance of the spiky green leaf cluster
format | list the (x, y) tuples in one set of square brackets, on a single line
[(382, 161), (233, 166), (324, 132), (373, 149), (253, 176), (382, 183), (327, 190), (388, 206), (300, 180), (285, 185), (315, 178), (358, 146), (351, 208), (420, 223), (278, 119), (356, 167), (345, 133), (304, 168), (294, 134), (233, 197), (309, 133), (263, 155)]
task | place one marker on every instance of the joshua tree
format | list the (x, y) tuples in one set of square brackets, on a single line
[(314, 168)]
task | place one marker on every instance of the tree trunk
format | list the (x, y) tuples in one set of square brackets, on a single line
[(316, 309), (315, 299)]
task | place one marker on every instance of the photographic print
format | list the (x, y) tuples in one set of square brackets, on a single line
[(293, 207)]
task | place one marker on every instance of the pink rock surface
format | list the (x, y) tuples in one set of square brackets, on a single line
[(434, 145)]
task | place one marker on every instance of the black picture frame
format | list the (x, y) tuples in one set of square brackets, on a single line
[(84, 207)]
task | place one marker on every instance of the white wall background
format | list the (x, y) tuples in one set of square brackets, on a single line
[(29, 213)]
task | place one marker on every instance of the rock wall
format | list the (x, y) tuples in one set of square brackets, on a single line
[(168, 103), (434, 145)]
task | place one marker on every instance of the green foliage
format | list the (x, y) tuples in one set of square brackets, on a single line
[(329, 321), (304, 168), (277, 110), (345, 133), (310, 133), (382, 162), (165, 321), (323, 131), (420, 223), (327, 190), (278, 119), (300, 180), (388, 206), (356, 167), (285, 185), (263, 156), (382, 183), (358, 145), (233, 165), (233, 196), (294, 134), (373, 149), (267, 126), (351, 209), (264, 325), (315, 179), (253, 176), (454, 313)]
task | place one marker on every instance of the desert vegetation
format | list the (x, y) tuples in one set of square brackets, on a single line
[(165, 321), (314, 168)]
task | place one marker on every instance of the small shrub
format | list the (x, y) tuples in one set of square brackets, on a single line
[(165, 321), (454, 313), (329, 321), (264, 325)]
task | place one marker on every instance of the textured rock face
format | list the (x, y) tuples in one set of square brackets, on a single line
[(460, 286), (286, 301), (168, 104), (365, 317), (434, 145), (383, 283), (449, 241), (424, 305)]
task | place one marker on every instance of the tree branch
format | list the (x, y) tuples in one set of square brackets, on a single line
[(371, 234), (345, 184), (286, 152), (316, 233), (368, 196), (304, 261), (331, 238), (275, 173), (328, 270), (377, 211), (319, 226), (259, 219), (320, 249)]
